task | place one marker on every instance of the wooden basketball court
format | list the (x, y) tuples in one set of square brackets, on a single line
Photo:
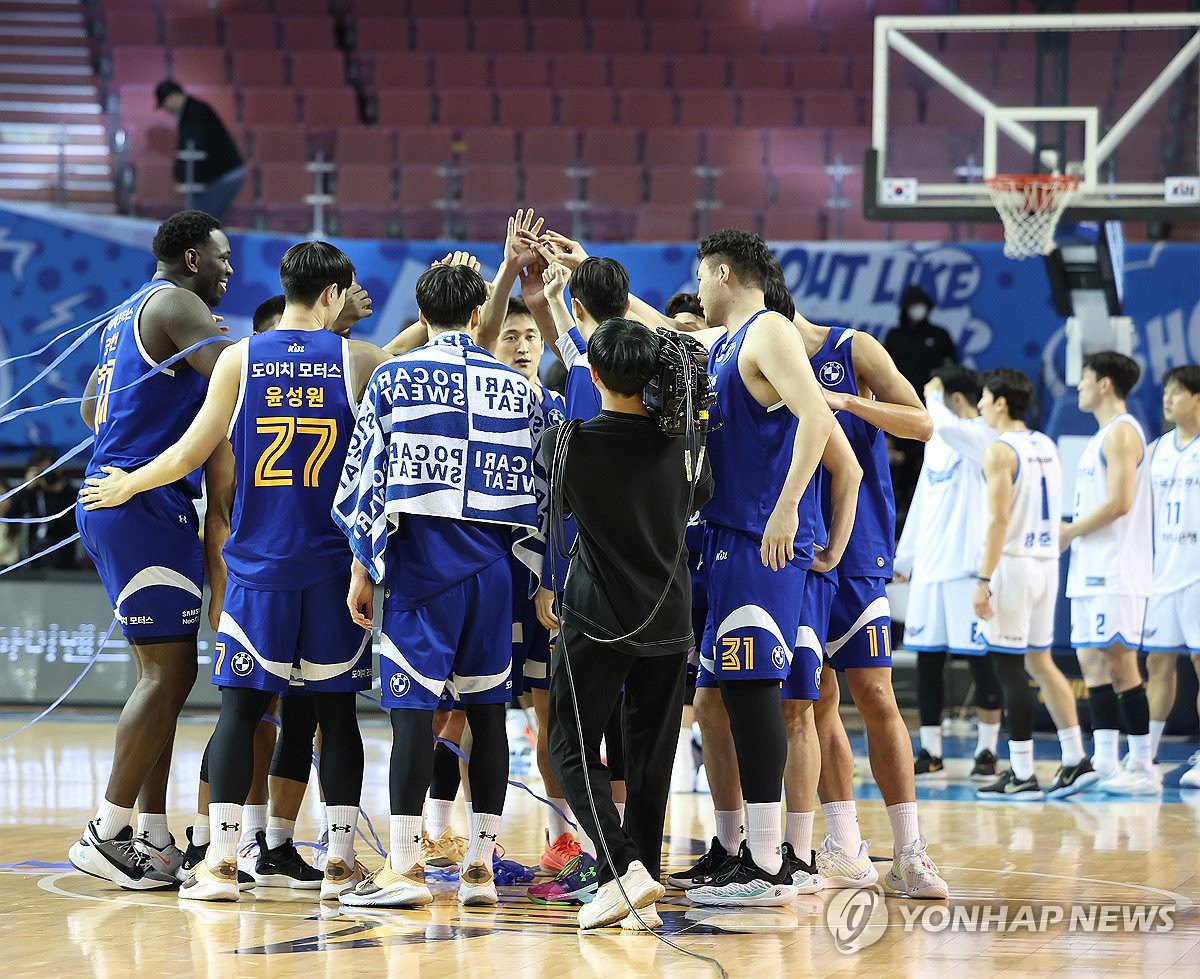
[(1141, 858)]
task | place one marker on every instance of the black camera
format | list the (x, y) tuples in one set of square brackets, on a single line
[(679, 395)]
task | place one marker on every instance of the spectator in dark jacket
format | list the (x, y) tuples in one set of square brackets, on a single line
[(222, 171)]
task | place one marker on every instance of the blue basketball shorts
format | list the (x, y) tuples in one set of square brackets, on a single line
[(301, 640), (459, 642), (860, 624), (753, 612), (147, 552), (804, 680), (530, 649)]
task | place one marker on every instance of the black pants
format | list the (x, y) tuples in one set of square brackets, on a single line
[(653, 707)]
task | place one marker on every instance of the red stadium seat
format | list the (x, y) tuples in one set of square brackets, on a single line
[(329, 108), (647, 107), (555, 146), (734, 147), (431, 145), (610, 148), (258, 68), (307, 34), (741, 187), (613, 9), (395, 69), (794, 40), (461, 70), (404, 107), (700, 71), (520, 71), (283, 189), (465, 107), (579, 70), (724, 10), (277, 144), (849, 143), (251, 31), (558, 36), (615, 187), (762, 109), (653, 222), (124, 28), (849, 39), (707, 107), (437, 34), (268, 105), (736, 38), (760, 71), (791, 146), (137, 65), (437, 8), (832, 109), (585, 107), (671, 146), (189, 30), (422, 189), (199, 66), (545, 9), (792, 224), (220, 97), (669, 9), (549, 187), (489, 187), (366, 201), (365, 145), (154, 192), (676, 37), (728, 216), (388, 35), (487, 145), (828, 71), (675, 185), (525, 107), (505, 35), (640, 71), (624, 37), (318, 68)]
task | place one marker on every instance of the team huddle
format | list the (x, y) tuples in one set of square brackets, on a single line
[(339, 473)]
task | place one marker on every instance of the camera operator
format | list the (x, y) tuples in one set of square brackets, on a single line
[(626, 614)]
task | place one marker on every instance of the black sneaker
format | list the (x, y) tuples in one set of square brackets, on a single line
[(708, 865), (927, 766), (1010, 788), (742, 883), (119, 860), (194, 856), (985, 765), (1072, 779), (284, 867)]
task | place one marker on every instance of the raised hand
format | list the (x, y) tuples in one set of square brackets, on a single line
[(555, 278), (564, 250), (519, 242), (459, 258), (357, 307)]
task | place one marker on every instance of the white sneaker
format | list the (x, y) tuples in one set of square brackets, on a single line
[(608, 906), (649, 916), (914, 875), (839, 869), (1191, 778), (340, 876), (477, 886), (386, 888), (1135, 778), (219, 883), (166, 860)]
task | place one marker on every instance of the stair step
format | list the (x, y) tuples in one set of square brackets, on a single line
[(39, 73), (41, 54), (63, 18), (43, 33), (77, 133), (47, 153), (49, 112), (48, 170)]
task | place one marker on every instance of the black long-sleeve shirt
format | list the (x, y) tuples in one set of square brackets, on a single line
[(201, 126), (626, 483)]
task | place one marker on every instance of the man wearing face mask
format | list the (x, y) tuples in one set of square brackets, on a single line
[(918, 348)]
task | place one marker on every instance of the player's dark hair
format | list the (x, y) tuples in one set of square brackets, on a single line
[(957, 379), (1121, 370), (181, 231), (268, 310), (684, 302), (1186, 376), (517, 307), (743, 251), (602, 287), (625, 355), (165, 89), (1011, 385), (776, 296), (309, 268), (448, 294)]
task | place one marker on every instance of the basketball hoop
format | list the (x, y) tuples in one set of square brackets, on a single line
[(1030, 206)]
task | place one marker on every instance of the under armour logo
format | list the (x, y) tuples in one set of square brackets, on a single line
[(416, 839), (335, 828), (487, 836), (230, 827), (742, 830)]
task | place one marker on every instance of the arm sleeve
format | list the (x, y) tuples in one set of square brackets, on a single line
[(964, 436)]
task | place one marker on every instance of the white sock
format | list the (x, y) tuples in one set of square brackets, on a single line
[(620, 810), (343, 821), (1107, 755), (931, 739), (1139, 748), (254, 818), (1156, 732), (903, 817), (405, 842), (110, 819), (1070, 739), (683, 768), (485, 827), (152, 827), (731, 829), (438, 813), (470, 814), (764, 835), (200, 834), (987, 738), (556, 825), (1020, 756), (798, 831), (225, 820), (279, 831), (841, 822)]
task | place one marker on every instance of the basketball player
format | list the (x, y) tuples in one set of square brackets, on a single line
[(438, 487), (1112, 565), (755, 552), (939, 552), (287, 399), (1017, 587), (155, 586), (1172, 616), (267, 313)]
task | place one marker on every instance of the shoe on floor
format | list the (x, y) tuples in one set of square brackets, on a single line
[(805, 878), (284, 867), (1191, 778), (1070, 779), (1009, 788), (195, 856), (341, 876), (742, 883), (609, 906), (1135, 779), (839, 870), (445, 852), (577, 884), (386, 888), (927, 766), (557, 854), (914, 875), (985, 765), (219, 883), (167, 859), (119, 860), (649, 919), (477, 886), (704, 868)]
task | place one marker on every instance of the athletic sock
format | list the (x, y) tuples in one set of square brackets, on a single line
[(438, 813), (620, 810), (1107, 754), (556, 825), (485, 827), (764, 835), (903, 817), (279, 831), (987, 738), (798, 831), (841, 822), (200, 831), (1139, 749), (1156, 732), (110, 819), (1070, 740), (254, 818), (405, 842), (931, 739), (731, 829), (225, 820), (1020, 756), (152, 827), (343, 821)]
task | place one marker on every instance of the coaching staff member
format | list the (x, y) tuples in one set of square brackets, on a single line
[(626, 483)]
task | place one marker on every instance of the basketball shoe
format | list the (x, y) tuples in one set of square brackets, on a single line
[(839, 870), (1191, 778), (386, 888), (926, 766), (444, 853), (207, 883), (167, 859), (283, 866), (914, 875), (650, 919), (1070, 779), (119, 860), (340, 876), (1134, 778), (1009, 788), (609, 907), (559, 853), (477, 886), (985, 765), (195, 856), (743, 883), (805, 878), (575, 885), (704, 868)]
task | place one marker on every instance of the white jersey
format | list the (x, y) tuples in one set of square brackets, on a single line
[(944, 530), (1033, 516), (1175, 478), (1117, 559)]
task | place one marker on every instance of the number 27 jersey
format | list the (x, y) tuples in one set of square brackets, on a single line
[(293, 422)]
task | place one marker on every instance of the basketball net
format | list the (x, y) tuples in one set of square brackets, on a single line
[(1030, 206)]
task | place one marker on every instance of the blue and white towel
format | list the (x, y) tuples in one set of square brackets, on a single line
[(444, 431)]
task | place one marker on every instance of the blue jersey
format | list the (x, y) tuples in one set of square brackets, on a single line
[(583, 397), (427, 556), (135, 425), (554, 573), (293, 422), (751, 452), (873, 540)]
